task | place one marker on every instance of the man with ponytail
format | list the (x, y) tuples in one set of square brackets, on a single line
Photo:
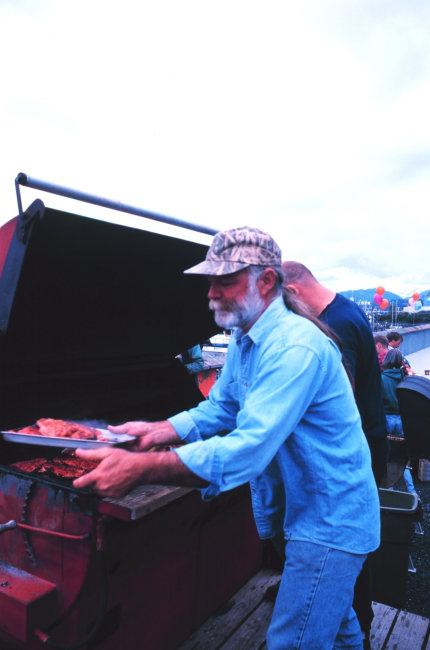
[(350, 323), (283, 417)]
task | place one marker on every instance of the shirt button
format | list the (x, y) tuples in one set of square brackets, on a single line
[(245, 384)]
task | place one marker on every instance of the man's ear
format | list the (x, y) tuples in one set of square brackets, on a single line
[(292, 288), (267, 281)]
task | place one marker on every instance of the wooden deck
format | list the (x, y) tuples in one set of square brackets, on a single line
[(242, 623)]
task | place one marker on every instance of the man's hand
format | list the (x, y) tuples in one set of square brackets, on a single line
[(148, 434), (120, 471)]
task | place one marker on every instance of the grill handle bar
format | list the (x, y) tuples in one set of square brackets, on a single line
[(12, 524), (36, 184)]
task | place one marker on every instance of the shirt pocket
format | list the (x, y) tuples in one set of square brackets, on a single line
[(235, 391)]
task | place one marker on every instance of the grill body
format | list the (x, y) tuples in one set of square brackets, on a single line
[(92, 316)]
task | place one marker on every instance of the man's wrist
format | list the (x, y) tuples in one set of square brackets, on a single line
[(164, 434), (166, 468)]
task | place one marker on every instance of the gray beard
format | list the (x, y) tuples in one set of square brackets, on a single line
[(240, 313)]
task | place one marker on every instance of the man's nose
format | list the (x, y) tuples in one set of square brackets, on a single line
[(214, 291)]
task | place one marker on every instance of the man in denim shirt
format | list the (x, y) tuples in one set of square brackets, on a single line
[(294, 433)]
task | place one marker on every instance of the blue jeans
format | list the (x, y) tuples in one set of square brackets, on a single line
[(409, 481), (394, 425), (313, 610)]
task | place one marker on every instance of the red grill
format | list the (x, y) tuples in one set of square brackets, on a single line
[(92, 316)]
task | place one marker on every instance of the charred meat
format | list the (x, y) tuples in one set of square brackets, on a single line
[(62, 466)]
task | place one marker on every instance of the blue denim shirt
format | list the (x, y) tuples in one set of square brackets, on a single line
[(283, 416)]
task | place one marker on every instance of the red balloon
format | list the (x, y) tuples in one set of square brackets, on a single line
[(415, 295), (377, 298), (384, 304), (380, 290)]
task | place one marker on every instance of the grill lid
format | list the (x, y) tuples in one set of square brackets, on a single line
[(83, 300)]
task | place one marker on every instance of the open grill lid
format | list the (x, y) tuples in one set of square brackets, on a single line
[(84, 301)]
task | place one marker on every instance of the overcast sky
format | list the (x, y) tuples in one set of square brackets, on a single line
[(307, 119)]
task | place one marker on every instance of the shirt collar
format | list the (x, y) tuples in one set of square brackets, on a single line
[(258, 331)]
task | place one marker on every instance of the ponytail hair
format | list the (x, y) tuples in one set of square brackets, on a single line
[(302, 309)]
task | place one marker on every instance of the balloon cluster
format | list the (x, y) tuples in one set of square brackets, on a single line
[(382, 302), (415, 302)]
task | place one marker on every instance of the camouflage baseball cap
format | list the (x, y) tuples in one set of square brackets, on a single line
[(235, 249)]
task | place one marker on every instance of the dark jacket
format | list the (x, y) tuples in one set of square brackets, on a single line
[(390, 379), (351, 325), (193, 359)]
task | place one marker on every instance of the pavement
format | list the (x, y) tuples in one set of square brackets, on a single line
[(420, 362)]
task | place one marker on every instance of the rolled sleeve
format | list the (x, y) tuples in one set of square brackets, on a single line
[(201, 458), (185, 427)]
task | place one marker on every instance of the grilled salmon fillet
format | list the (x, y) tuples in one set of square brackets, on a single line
[(63, 429)]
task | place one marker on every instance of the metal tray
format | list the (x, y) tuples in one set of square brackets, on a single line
[(112, 439)]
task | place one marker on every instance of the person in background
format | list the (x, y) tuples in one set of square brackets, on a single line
[(283, 416), (393, 373), (382, 347), (381, 344), (349, 322), (193, 360), (351, 325), (394, 341)]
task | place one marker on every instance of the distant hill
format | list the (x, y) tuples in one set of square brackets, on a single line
[(425, 297), (367, 295)]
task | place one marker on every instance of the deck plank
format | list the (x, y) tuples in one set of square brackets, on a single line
[(408, 633), (220, 627), (242, 623), (384, 617), (252, 634)]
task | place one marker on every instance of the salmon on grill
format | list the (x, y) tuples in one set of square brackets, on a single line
[(30, 465), (64, 466)]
